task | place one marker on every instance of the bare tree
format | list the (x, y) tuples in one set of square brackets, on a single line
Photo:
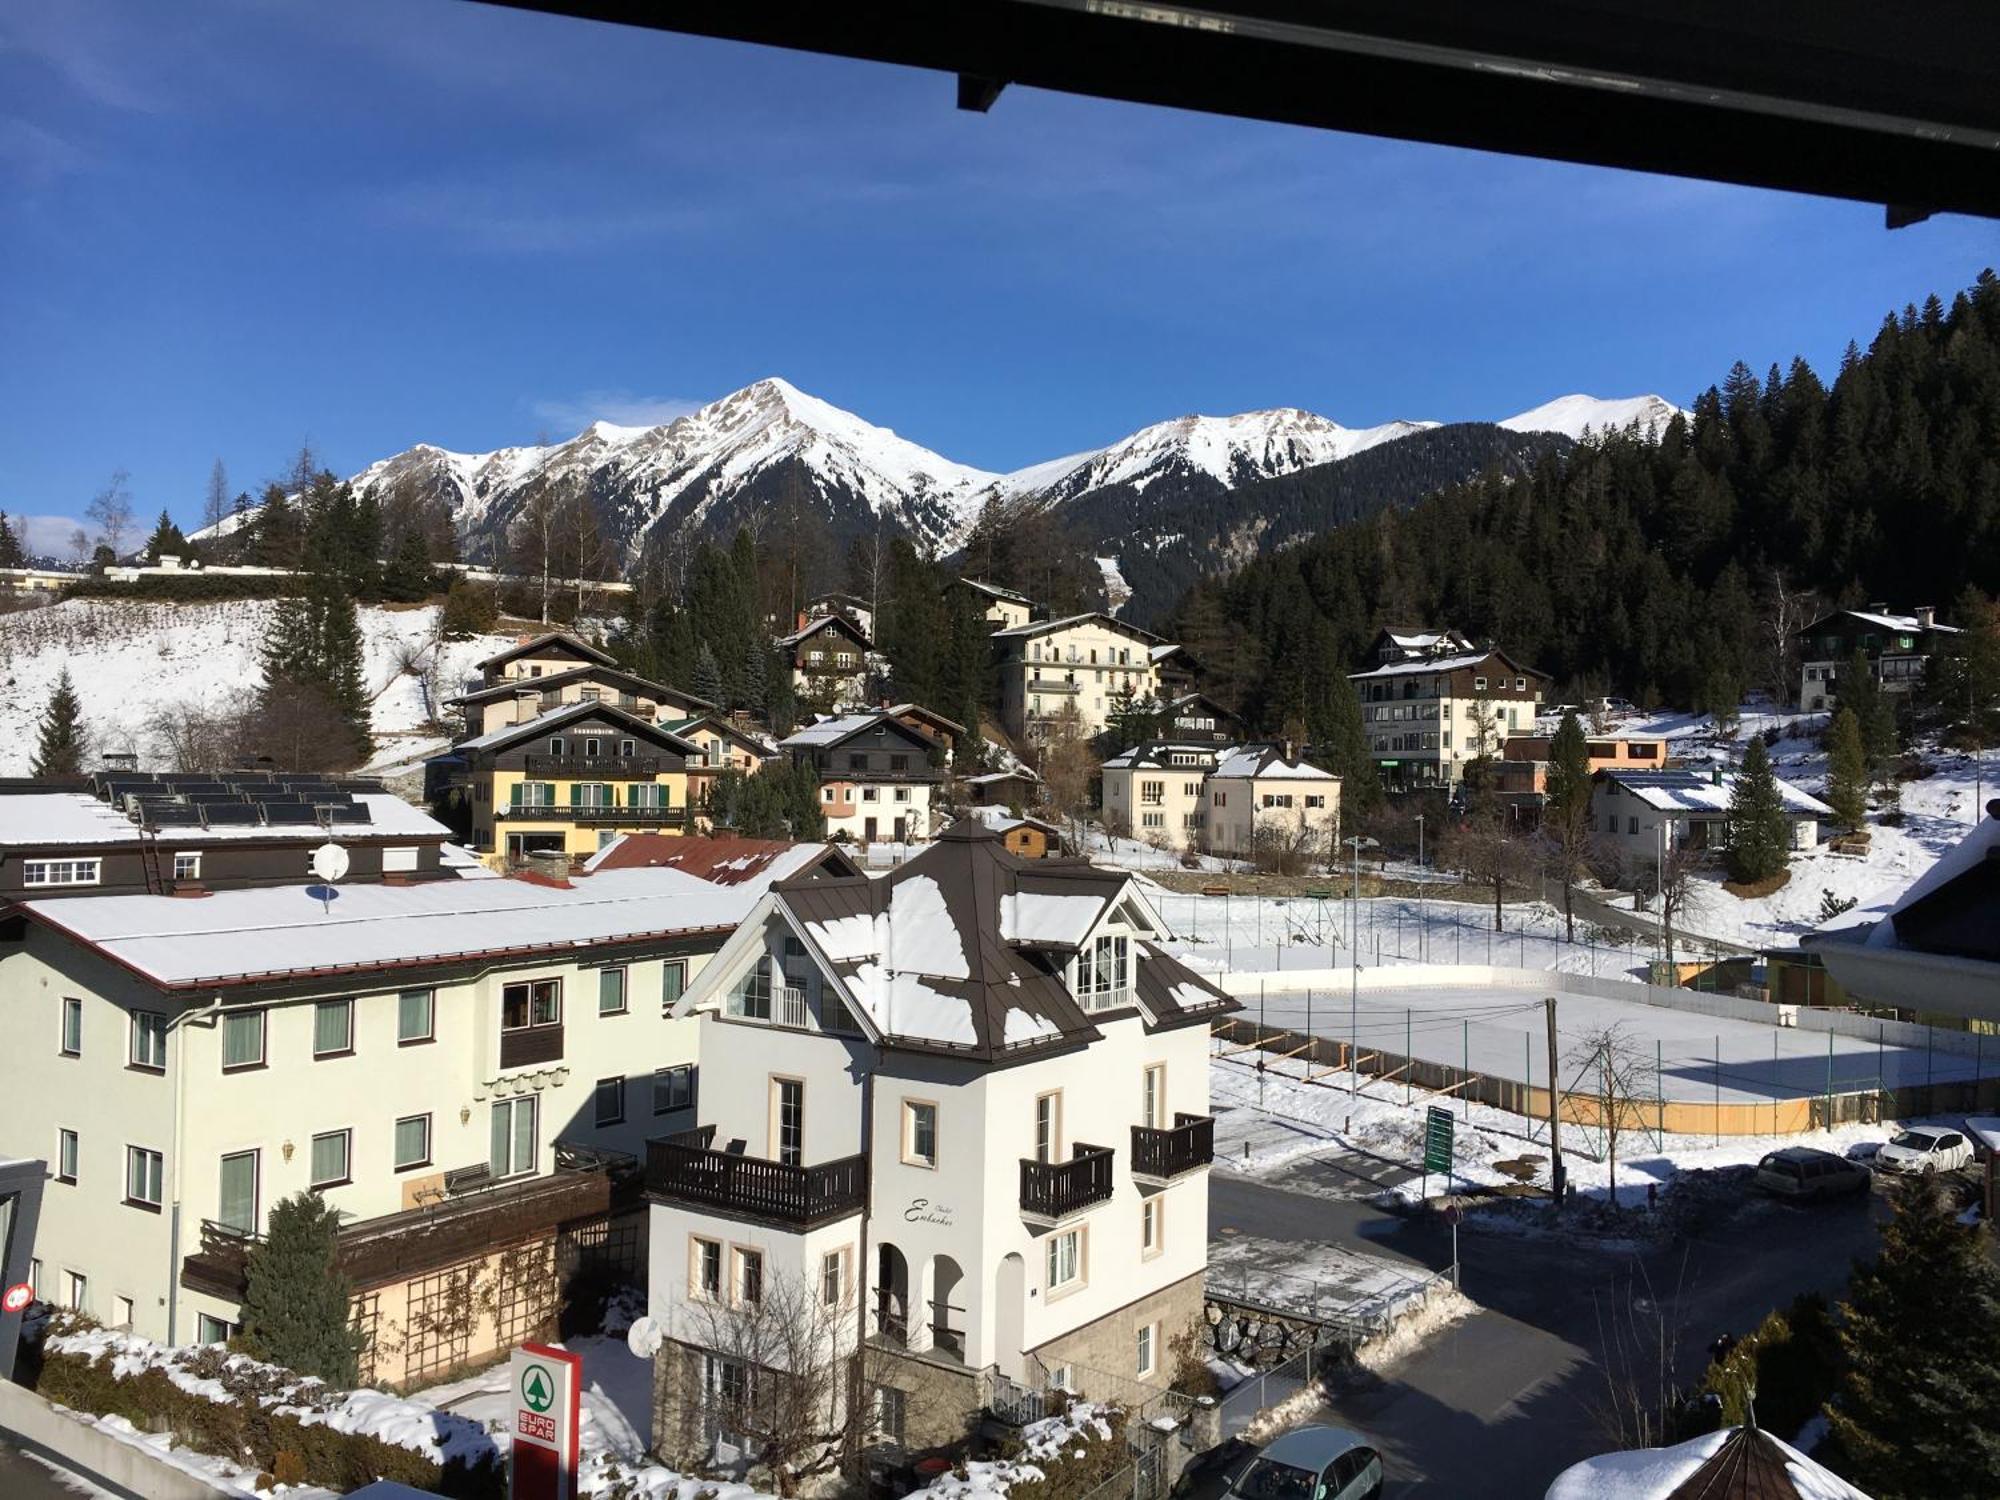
[(1638, 1336), (1069, 768), (1621, 1081), (193, 736), (532, 538), (79, 544), (1787, 611), (1295, 847), (1484, 847), (111, 509), (215, 503)]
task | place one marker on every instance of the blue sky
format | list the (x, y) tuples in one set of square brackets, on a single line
[(229, 226)]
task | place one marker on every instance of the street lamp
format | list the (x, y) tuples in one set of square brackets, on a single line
[(1354, 982), (1420, 888)]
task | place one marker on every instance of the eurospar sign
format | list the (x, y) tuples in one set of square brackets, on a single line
[(547, 1390)]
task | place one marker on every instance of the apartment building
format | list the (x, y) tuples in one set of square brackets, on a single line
[(1895, 645), (878, 775), (1003, 609), (1639, 814), (1265, 789), (570, 780), (1394, 643), (719, 745), (1523, 769), (828, 656), (495, 705), (969, 1134), (1085, 662), (1155, 791), (466, 1069), (1195, 716), (1427, 716), (536, 656)]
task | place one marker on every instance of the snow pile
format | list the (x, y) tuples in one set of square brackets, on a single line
[(1067, 1435), (132, 659)]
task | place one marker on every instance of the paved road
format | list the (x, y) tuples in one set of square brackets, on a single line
[(1499, 1404), (21, 1478)]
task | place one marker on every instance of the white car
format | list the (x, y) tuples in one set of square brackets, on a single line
[(1925, 1151)]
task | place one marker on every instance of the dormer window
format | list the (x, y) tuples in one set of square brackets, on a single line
[(592, 746), (1104, 973), (555, 744)]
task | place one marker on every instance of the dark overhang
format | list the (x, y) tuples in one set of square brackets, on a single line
[(1890, 104)]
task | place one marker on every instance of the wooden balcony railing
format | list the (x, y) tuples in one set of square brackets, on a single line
[(573, 767), (1159, 1156), (750, 1187), (1053, 1191), (526, 1046)]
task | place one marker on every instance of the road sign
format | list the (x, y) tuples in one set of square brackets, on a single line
[(547, 1389), (16, 1297), (1437, 1140)]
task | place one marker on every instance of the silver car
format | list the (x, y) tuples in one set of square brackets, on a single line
[(1312, 1463)]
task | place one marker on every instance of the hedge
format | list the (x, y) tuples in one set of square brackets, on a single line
[(189, 588)]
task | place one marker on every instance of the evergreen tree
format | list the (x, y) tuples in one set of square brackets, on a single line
[(1566, 814), (1339, 736), (166, 539), (1847, 770), (64, 741), (1859, 692), (1758, 836), (297, 1309), (470, 609), (12, 554), (1916, 1413), (408, 576), (313, 646), (707, 675)]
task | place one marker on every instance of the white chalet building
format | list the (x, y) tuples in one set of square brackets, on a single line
[(967, 1115)]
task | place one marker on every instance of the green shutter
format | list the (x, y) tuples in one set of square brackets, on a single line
[(576, 794)]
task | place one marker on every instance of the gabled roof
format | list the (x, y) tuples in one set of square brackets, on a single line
[(994, 591), (1174, 705), (1246, 762), (1418, 639), (1736, 1463), (830, 732), (569, 713), (1067, 622), (554, 640), (1014, 773), (722, 727), (724, 859), (1424, 666), (1881, 620), (825, 622), (591, 673), (1154, 754), (1701, 792)]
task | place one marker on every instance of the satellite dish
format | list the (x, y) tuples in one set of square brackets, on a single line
[(329, 862), (644, 1338)]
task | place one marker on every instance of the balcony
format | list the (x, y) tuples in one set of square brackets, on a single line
[(792, 1007), (481, 1217), (1052, 685), (606, 812), (1054, 1191), (684, 1169), (531, 1046), (1159, 1156), (597, 767)]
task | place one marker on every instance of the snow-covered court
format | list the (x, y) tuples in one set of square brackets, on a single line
[(1685, 1049)]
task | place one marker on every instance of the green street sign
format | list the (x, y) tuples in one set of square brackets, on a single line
[(538, 1389), (1437, 1140)]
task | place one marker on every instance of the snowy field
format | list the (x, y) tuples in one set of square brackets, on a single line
[(131, 659)]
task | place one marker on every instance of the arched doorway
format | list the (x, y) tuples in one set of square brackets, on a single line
[(1009, 1312), (947, 1314), (892, 1294)]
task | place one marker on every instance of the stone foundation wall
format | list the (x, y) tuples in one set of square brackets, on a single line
[(1104, 1354)]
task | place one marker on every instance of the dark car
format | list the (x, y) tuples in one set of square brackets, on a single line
[(1312, 1463), (1803, 1174)]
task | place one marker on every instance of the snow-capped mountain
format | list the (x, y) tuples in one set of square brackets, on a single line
[(1572, 416), (1230, 450)]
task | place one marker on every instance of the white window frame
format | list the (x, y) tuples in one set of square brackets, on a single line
[(1064, 1264), (69, 1154), (148, 1051), (53, 872), (187, 864), (914, 1114), (1148, 1340), (71, 1007), (148, 1169), (345, 1135)]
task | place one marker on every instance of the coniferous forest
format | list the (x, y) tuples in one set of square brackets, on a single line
[(1672, 573)]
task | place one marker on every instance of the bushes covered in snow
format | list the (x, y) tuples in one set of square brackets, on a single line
[(1061, 1457)]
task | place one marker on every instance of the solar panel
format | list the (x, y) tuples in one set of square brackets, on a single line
[(351, 812), (284, 812), (211, 799), (122, 786), (170, 815), (204, 789), (228, 815)]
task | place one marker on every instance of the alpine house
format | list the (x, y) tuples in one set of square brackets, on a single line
[(966, 1139)]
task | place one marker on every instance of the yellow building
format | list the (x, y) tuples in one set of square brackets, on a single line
[(571, 780)]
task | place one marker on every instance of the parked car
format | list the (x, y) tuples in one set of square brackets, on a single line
[(1801, 1174), (1312, 1463), (1925, 1150)]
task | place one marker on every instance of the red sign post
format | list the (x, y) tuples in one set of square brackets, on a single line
[(16, 1297), (545, 1387)]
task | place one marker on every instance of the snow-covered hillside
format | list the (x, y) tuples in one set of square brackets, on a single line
[(1573, 416), (130, 660)]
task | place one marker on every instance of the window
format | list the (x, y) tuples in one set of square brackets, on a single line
[(399, 861), (1479, 684), (512, 1145), (1065, 1259), (673, 983), (1153, 1096), (788, 1120), (416, 1017), (608, 1102), (628, 747), (330, 1152), (532, 794), (413, 1142), (1631, 825), (66, 1154), (826, 794), (1150, 1223), (72, 1028), (705, 1268), (535, 1002), (899, 762), (142, 1177), (751, 998), (333, 1028), (61, 871), (1048, 1127), (243, 1039), (673, 1089), (650, 794), (187, 867), (830, 1278), (209, 1329), (891, 1412), (857, 762), (920, 1119), (611, 992), (593, 746), (149, 1040), (749, 1276), (1152, 820), (79, 1291), (236, 1203), (1103, 973), (1149, 1348), (871, 794)]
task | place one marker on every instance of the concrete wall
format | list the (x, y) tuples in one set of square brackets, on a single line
[(37, 1426)]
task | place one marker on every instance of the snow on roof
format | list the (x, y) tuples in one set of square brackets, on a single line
[(993, 590), (62, 818), (1048, 917), (554, 638), (1012, 773), (1888, 621), (1734, 1453), (1042, 627), (233, 936), (1979, 845), (1442, 664), (832, 731), (1153, 753), (555, 718), (1268, 762), (1425, 640), (1695, 791), (52, 818), (814, 626)]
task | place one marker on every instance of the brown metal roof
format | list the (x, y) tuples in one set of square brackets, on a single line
[(721, 860)]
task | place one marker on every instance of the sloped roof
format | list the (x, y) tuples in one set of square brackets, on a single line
[(1152, 754), (554, 639), (32, 820), (1013, 773), (1043, 627), (929, 715), (569, 713), (1425, 665), (814, 626), (722, 727), (1737, 1463), (1246, 762), (994, 591), (1696, 791), (944, 954), (591, 673), (1879, 619), (724, 859), (833, 731)]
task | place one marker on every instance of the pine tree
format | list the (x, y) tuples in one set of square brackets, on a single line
[(313, 645), (409, 576), (1758, 842), (1847, 770), (12, 554), (1858, 691), (165, 540), (1916, 1413), (707, 675), (64, 741), (297, 1309), (1336, 730), (1567, 813)]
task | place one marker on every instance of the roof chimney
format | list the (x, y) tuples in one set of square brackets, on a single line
[(1877, 607), (1715, 774), (1926, 616), (802, 621)]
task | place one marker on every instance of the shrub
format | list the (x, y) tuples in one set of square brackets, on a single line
[(192, 588), (1787, 1368)]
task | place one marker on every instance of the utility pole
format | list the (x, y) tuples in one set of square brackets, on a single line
[(1555, 1110)]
